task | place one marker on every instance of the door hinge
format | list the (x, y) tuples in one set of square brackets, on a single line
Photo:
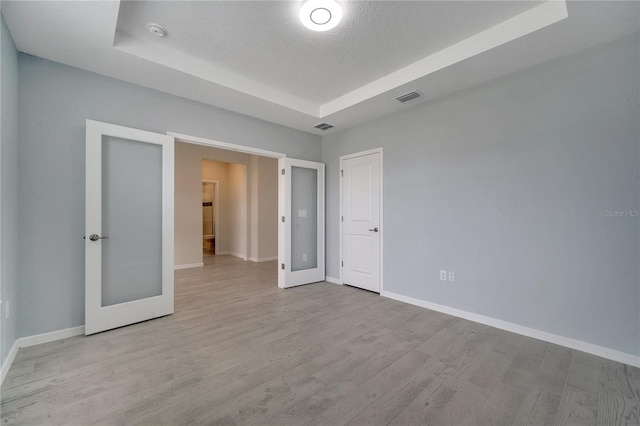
[(283, 218), (341, 172), (341, 218), (342, 263), (282, 171), (283, 266)]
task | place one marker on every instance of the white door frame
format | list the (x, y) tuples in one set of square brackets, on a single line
[(179, 137), (216, 198), (381, 226), (98, 317)]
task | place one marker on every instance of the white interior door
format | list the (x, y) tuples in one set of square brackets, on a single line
[(301, 225), (128, 226), (361, 224)]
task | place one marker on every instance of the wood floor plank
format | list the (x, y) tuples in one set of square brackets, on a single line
[(267, 399), (464, 407), (356, 397), (239, 350), (553, 383), (539, 407), (501, 407), (584, 375), (396, 374), (386, 408), (556, 360), (425, 407), (615, 409), (576, 408), (489, 374), (617, 403), (518, 379)]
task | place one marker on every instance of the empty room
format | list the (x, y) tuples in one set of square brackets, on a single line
[(320, 212)]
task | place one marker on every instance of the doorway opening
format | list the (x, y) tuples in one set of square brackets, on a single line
[(210, 215), (281, 213), (226, 205)]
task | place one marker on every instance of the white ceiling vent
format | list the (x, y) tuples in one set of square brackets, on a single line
[(323, 126), (409, 96)]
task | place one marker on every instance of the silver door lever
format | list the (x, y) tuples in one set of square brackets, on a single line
[(96, 237), (374, 229)]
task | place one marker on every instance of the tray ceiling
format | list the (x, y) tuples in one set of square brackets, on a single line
[(256, 58)]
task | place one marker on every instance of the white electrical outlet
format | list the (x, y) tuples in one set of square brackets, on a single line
[(304, 257), (452, 276), (443, 275), (6, 310)]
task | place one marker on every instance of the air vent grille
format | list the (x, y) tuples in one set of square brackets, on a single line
[(409, 96), (323, 126)]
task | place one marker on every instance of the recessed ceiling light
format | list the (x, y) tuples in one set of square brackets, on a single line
[(157, 29), (320, 15)]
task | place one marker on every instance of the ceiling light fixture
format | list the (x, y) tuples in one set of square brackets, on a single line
[(320, 15), (157, 29)]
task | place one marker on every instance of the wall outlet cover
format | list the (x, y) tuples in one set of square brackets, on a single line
[(443, 275), (452, 276)]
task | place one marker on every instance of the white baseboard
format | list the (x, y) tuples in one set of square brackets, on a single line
[(332, 280), (231, 253), (568, 342), (7, 362), (25, 342), (188, 266), (234, 254), (263, 259)]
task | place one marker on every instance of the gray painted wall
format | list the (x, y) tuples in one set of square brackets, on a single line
[(54, 101), (9, 190), (507, 184)]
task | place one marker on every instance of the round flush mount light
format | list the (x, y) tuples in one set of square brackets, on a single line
[(157, 29), (320, 15)]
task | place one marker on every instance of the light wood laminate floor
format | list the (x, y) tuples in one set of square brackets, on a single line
[(238, 350)]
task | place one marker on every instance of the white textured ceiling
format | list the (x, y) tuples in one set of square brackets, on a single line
[(256, 58), (264, 41)]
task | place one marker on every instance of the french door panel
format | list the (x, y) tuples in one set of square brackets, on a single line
[(301, 226), (128, 226)]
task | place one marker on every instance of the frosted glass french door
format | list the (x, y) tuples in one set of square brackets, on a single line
[(128, 226), (301, 225)]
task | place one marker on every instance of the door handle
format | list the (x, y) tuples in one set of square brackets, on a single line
[(374, 229), (96, 237)]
